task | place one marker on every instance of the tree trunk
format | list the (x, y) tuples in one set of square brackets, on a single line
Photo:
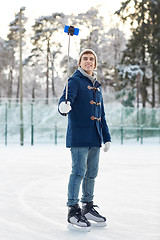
[(47, 74), (52, 63), (0, 86), (33, 92), (144, 91), (9, 84), (159, 91), (10, 80), (17, 95), (153, 85)]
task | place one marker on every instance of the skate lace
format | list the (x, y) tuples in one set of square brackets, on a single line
[(80, 216), (93, 208)]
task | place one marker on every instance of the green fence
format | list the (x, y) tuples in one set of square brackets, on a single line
[(43, 124), (128, 124)]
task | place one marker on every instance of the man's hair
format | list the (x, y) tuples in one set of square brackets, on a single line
[(87, 51)]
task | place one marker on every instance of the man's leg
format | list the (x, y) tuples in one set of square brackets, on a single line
[(91, 173), (79, 167), (88, 208)]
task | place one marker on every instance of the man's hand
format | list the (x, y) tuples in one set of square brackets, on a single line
[(65, 107), (106, 146)]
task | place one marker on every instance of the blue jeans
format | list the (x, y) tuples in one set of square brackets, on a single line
[(85, 162)]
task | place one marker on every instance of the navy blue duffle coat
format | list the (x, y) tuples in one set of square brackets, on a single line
[(87, 125)]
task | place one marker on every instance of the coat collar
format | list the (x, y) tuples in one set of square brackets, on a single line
[(79, 74)]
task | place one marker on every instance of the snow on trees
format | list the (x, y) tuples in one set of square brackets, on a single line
[(45, 62), (143, 47), (45, 28)]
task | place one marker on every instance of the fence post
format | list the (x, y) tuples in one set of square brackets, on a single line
[(55, 134), (32, 126), (6, 124), (138, 125), (122, 125), (121, 135), (141, 134)]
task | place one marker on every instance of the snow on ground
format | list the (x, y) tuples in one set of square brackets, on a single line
[(33, 193)]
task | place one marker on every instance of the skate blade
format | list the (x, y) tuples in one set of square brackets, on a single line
[(78, 228), (98, 224)]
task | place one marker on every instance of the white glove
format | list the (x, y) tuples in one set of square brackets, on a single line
[(106, 146), (65, 107)]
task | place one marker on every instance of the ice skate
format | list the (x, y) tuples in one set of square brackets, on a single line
[(76, 221), (88, 211)]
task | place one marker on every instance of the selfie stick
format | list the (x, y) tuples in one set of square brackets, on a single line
[(71, 31)]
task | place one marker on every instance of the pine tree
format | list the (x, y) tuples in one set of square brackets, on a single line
[(4, 64), (143, 47), (154, 46), (13, 41)]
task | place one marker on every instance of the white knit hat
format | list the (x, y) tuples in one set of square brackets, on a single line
[(88, 51)]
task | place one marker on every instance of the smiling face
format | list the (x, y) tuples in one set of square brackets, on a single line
[(88, 63)]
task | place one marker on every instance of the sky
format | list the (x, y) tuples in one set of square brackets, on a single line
[(36, 8)]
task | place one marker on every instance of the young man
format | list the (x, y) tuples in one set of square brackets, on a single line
[(87, 129)]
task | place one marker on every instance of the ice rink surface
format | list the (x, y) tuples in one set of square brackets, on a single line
[(33, 193)]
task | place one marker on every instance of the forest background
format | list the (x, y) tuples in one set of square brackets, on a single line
[(127, 45)]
